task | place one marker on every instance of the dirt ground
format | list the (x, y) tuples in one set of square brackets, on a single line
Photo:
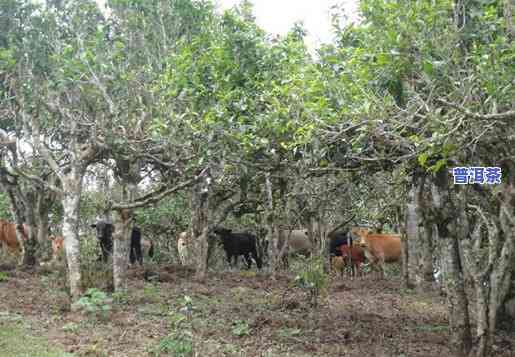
[(235, 314)]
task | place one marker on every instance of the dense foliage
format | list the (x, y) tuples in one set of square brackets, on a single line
[(158, 92)]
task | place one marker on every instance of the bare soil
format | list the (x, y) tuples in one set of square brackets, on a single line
[(237, 314)]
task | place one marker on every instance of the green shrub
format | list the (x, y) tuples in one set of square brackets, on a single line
[(95, 303), (240, 328), (178, 344), (311, 277), (151, 292), (121, 298)]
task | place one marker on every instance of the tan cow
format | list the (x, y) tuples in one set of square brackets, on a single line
[(57, 246), (183, 247), (380, 248), (338, 265), (298, 243)]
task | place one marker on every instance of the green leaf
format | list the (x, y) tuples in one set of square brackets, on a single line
[(422, 159), (427, 67), (439, 164)]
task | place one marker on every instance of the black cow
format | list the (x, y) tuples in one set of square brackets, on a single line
[(135, 253), (105, 238), (236, 244), (337, 239)]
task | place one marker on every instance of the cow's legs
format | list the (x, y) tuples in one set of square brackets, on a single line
[(286, 264), (105, 252), (259, 262), (248, 260), (229, 260), (381, 269), (381, 265), (132, 257), (139, 254), (357, 269)]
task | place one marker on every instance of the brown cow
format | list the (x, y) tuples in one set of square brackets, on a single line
[(380, 248), (57, 246), (8, 236), (356, 255)]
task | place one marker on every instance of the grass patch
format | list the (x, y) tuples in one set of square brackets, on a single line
[(16, 342), (289, 332), (433, 328)]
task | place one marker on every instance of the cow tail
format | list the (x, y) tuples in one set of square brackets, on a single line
[(151, 250), (257, 256)]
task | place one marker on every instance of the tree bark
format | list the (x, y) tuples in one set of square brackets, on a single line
[(272, 234), (508, 16), (200, 224), (425, 245), (72, 187), (400, 218), (44, 203), (412, 235), (426, 252), (444, 214), (31, 245), (121, 237)]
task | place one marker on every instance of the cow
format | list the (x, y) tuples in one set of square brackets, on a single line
[(105, 237), (380, 248), (298, 243), (338, 264), (236, 244), (136, 252), (8, 236), (57, 246), (357, 232), (183, 247), (185, 250), (355, 254), (337, 239)]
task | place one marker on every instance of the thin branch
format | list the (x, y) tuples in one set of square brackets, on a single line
[(39, 181), (498, 116), (157, 195)]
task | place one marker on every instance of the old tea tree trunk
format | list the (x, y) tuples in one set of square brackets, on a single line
[(272, 232), (412, 234), (72, 187), (445, 216), (70, 175), (123, 220), (200, 223), (129, 174), (489, 255)]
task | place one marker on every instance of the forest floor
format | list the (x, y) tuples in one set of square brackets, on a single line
[(230, 314)]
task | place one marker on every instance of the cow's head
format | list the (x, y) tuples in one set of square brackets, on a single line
[(221, 231), (182, 241), (104, 230), (57, 243), (360, 234)]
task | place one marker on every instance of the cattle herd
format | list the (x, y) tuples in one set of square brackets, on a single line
[(348, 248)]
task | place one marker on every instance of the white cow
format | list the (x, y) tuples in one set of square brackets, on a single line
[(183, 248)]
